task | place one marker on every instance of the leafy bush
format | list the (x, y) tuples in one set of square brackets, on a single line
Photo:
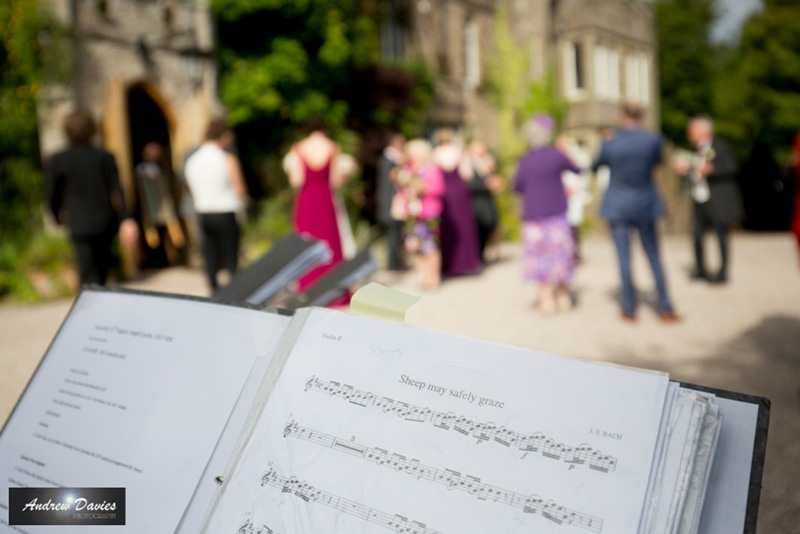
[(13, 282), (283, 62), (516, 98), (37, 270), (47, 252), (28, 39), (272, 221)]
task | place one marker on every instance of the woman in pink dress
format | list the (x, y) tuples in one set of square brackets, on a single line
[(312, 168), (421, 188)]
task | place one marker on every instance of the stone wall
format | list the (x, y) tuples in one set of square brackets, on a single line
[(163, 49), (166, 45)]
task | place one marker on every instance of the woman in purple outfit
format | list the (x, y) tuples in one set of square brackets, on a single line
[(461, 252), (549, 249)]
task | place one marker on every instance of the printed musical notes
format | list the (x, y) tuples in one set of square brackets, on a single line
[(453, 480), (310, 494), (538, 443), (247, 527)]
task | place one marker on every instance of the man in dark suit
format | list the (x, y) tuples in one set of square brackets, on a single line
[(83, 192), (717, 203), (632, 201), (391, 157)]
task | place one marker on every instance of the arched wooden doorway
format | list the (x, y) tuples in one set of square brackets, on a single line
[(151, 125)]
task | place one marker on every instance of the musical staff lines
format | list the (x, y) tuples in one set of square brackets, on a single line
[(583, 454), (309, 493), (454, 480)]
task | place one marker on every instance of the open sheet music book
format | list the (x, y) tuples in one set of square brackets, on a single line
[(228, 419)]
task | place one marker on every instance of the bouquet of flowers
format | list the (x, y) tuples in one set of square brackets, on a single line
[(407, 202)]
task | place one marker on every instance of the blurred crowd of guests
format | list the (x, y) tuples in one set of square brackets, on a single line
[(435, 204)]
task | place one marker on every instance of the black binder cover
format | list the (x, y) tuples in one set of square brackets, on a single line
[(246, 282), (759, 447)]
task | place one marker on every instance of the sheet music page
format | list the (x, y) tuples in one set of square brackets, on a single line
[(682, 435), (654, 488), (208, 489), (134, 392), (725, 507), (374, 427)]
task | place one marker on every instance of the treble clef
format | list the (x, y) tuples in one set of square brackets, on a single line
[(246, 527), (290, 426), (310, 382), (266, 478)]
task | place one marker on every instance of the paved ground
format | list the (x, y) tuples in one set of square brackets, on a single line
[(744, 336)]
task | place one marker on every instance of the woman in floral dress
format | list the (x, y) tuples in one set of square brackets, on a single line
[(549, 248)]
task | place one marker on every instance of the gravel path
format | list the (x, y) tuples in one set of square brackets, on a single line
[(744, 336)]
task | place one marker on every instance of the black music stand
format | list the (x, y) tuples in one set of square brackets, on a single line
[(287, 260)]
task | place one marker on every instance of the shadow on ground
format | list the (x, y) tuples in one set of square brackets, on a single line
[(764, 360), (648, 299)]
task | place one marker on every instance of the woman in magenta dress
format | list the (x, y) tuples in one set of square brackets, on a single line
[(461, 252), (795, 226), (313, 173)]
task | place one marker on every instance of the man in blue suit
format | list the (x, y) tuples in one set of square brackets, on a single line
[(632, 201)]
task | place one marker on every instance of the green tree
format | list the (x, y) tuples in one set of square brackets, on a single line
[(285, 61), (686, 62), (758, 108), (543, 97), (758, 98), (24, 35), (516, 98), (21, 75), (507, 81)]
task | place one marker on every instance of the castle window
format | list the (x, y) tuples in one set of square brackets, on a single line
[(392, 41), (443, 48), (574, 78), (606, 73), (472, 56), (101, 8), (637, 78)]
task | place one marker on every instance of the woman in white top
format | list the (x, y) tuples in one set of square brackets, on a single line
[(215, 181)]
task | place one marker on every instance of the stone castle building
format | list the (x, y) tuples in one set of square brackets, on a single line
[(602, 52), (145, 69)]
